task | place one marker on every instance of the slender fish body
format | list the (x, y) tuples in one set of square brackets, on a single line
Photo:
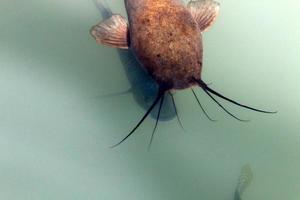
[(244, 181)]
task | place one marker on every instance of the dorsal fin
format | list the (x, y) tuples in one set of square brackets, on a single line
[(112, 32), (204, 12)]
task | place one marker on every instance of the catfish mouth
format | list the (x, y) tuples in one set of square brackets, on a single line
[(184, 85), (177, 84), (210, 92)]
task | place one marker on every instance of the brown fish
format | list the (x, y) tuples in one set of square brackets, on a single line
[(166, 37)]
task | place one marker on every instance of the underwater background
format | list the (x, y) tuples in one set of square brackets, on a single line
[(60, 110)]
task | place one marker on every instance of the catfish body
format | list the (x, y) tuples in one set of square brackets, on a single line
[(166, 37), (167, 40)]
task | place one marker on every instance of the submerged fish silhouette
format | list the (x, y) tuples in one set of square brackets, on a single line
[(166, 37), (244, 181)]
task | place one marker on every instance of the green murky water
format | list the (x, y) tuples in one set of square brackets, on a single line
[(56, 126)]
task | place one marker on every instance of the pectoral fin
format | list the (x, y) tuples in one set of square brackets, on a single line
[(204, 12), (112, 32)]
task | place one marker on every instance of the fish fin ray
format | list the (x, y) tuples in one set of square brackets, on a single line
[(112, 32), (204, 12)]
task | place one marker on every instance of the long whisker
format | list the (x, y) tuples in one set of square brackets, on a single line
[(175, 109), (156, 123), (202, 106), (160, 94), (232, 115), (204, 86)]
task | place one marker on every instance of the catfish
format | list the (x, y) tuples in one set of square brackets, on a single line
[(166, 38)]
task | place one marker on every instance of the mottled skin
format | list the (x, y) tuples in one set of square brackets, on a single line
[(166, 40)]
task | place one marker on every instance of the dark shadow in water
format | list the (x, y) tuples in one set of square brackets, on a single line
[(143, 88)]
